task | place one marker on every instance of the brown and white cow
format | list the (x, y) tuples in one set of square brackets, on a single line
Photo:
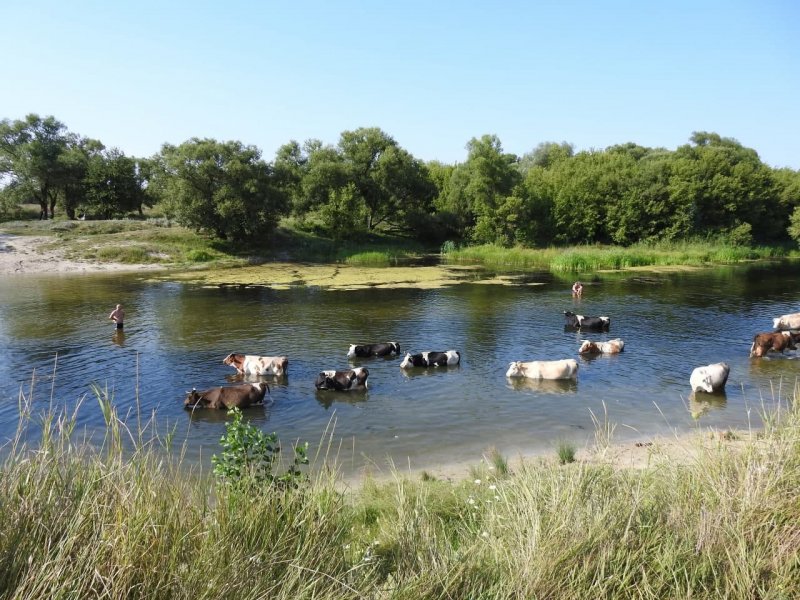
[(785, 322), (227, 397), (773, 340), (544, 369), (249, 364), (610, 347), (342, 381)]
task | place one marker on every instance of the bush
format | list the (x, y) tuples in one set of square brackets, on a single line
[(249, 456)]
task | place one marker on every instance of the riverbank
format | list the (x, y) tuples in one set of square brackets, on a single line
[(714, 517), (21, 255)]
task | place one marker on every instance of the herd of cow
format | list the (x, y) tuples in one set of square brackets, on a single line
[(709, 378)]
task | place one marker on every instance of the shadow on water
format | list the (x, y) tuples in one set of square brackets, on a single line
[(701, 403), (256, 414), (415, 372), (270, 380), (543, 386), (353, 397)]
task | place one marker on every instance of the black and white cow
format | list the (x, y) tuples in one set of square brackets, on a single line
[(431, 359), (573, 321), (341, 381), (366, 350)]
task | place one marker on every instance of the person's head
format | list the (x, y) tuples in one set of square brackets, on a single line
[(119, 305)]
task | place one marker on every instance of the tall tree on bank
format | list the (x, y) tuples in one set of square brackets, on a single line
[(221, 187), (30, 153)]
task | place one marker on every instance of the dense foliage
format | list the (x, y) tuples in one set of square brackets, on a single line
[(710, 188)]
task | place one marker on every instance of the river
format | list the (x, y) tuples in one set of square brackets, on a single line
[(55, 338)]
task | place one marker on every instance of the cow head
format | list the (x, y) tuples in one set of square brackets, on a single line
[(515, 369), (195, 399), (351, 353), (396, 348), (776, 323), (588, 347), (360, 374), (407, 362), (229, 360)]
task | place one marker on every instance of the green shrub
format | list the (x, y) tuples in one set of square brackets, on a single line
[(249, 456)]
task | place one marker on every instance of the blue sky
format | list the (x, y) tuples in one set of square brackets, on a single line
[(430, 74)]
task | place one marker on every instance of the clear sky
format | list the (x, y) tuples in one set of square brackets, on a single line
[(431, 74)]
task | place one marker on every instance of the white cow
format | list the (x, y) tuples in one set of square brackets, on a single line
[(610, 347), (785, 322), (544, 369), (710, 378), (249, 364)]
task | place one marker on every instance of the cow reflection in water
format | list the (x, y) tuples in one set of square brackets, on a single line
[(543, 386), (701, 403), (327, 397)]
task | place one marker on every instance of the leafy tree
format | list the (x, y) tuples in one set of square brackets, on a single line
[(74, 165), (30, 152), (545, 155), (114, 185), (221, 187), (483, 183)]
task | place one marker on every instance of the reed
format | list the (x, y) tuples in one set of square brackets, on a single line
[(126, 517), (577, 259)]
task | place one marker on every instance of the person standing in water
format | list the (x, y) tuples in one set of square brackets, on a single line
[(577, 289), (118, 316)]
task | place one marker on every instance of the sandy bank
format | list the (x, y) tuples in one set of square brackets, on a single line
[(21, 255)]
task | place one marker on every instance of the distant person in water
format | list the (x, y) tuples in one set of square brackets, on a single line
[(118, 316), (577, 289)]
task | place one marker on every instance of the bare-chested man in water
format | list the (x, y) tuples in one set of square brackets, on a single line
[(118, 316)]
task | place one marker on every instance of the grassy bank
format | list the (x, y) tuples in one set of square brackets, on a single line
[(156, 240), (723, 523), (576, 259)]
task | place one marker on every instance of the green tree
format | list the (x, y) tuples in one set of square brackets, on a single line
[(221, 187), (30, 152), (482, 184), (114, 186)]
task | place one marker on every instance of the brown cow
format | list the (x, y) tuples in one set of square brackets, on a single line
[(227, 397), (777, 340), (249, 364)]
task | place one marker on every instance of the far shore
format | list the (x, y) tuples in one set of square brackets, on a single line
[(20, 254)]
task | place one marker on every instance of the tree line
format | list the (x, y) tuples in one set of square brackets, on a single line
[(712, 187)]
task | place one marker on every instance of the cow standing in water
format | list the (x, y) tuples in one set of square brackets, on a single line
[(431, 359), (710, 378), (610, 347), (227, 397), (544, 369), (573, 321), (249, 364), (342, 381), (777, 341), (367, 350)]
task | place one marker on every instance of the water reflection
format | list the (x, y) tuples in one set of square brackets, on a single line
[(543, 386), (416, 372), (353, 397), (118, 338), (701, 403), (256, 414), (270, 380)]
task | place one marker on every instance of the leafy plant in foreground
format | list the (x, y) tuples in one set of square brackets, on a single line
[(250, 456)]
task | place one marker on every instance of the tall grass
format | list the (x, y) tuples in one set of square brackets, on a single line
[(99, 521), (576, 259)]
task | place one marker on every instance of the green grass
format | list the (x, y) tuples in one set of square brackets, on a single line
[(110, 521), (577, 259), (566, 452)]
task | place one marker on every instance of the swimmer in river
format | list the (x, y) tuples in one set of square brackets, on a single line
[(118, 316)]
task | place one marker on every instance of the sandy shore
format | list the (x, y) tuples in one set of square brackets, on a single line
[(21, 255), (681, 448)]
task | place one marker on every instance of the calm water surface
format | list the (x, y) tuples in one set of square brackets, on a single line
[(54, 336)]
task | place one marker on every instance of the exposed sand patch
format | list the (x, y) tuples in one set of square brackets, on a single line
[(681, 448), (20, 255)]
